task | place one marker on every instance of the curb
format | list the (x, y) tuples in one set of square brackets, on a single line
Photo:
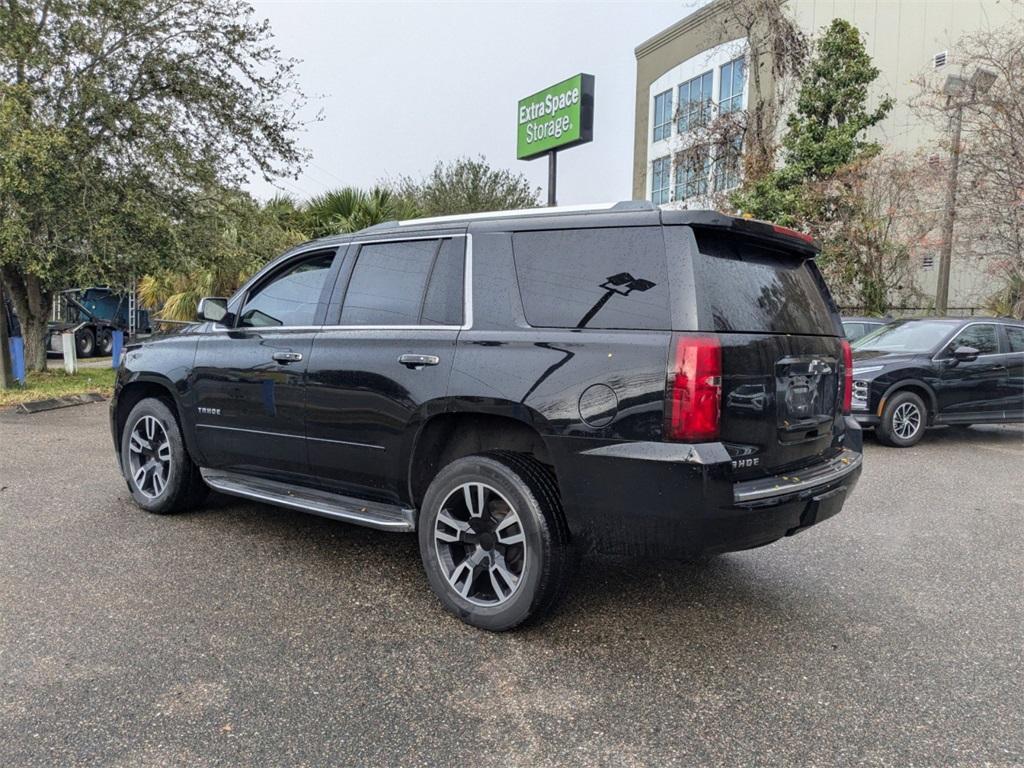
[(53, 403)]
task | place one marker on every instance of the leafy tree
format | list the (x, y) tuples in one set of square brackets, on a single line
[(881, 210), (116, 118), (824, 133), (236, 236), (467, 186)]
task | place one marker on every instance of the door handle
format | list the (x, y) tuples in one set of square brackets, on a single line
[(418, 361), (288, 357)]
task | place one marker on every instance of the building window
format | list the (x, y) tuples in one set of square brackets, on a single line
[(660, 180), (694, 103), (691, 175), (727, 165), (928, 262), (663, 115), (730, 89)]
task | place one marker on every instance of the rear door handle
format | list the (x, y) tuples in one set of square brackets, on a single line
[(288, 357), (418, 361)]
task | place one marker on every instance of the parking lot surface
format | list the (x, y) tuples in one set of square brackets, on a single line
[(890, 635)]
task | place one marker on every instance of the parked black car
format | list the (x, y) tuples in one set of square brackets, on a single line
[(513, 387), (913, 374), (858, 327)]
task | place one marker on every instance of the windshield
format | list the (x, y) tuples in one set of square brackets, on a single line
[(909, 336)]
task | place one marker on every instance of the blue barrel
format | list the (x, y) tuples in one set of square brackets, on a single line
[(115, 352), (18, 358)]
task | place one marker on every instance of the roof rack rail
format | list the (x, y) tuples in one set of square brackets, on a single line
[(627, 205), (635, 205)]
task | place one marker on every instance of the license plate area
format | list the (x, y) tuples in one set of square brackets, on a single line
[(806, 394)]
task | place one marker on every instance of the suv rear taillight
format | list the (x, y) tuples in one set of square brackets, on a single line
[(847, 377), (694, 389)]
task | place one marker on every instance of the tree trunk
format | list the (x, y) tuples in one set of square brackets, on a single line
[(32, 305), (6, 372)]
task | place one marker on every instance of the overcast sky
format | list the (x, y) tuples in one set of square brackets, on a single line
[(403, 85)]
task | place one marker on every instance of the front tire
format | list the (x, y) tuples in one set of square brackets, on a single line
[(155, 463), (903, 421), (493, 540)]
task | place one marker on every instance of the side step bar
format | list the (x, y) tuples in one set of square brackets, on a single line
[(372, 514)]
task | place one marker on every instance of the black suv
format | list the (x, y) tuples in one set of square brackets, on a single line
[(514, 387), (913, 374)]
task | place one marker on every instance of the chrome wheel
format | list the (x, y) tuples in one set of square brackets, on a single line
[(480, 544), (149, 457), (906, 420)]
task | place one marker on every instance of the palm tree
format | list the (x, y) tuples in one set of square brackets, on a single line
[(349, 209)]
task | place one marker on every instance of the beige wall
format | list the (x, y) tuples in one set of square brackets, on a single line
[(696, 33), (902, 37)]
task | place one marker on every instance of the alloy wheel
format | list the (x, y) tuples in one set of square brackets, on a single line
[(480, 544), (906, 420), (149, 456)]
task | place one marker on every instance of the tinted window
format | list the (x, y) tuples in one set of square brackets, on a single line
[(753, 288), (982, 337), (593, 278), (916, 336), (1016, 336), (415, 282), (444, 294), (290, 298), (853, 330)]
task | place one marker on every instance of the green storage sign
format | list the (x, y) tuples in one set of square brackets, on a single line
[(558, 117)]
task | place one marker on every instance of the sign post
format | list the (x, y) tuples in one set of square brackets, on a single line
[(556, 118)]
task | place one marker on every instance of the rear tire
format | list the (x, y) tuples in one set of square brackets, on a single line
[(903, 421), (155, 463), (494, 541), (104, 343), (85, 343)]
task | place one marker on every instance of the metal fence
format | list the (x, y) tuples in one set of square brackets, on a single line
[(916, 311)]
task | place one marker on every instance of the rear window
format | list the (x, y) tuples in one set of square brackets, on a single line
[(748, 287), (594, 278)]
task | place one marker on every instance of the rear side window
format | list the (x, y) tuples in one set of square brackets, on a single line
[(443, 305), (398, 284), (753, 288), (1015, 335), (613, 278)]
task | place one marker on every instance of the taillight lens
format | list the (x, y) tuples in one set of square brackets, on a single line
[(694, 390), (847, 377)]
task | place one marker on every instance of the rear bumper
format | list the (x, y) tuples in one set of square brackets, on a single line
[(642, 499)]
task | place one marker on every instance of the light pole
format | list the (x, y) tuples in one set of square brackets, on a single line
[(960, 92)]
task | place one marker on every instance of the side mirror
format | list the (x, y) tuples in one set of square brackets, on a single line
[(965, 354), (212, 309)]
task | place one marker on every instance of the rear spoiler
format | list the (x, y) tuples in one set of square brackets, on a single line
[(761, 230)]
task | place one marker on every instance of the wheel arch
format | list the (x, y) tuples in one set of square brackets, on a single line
[(137, 390), (450, 435), (918, 387)]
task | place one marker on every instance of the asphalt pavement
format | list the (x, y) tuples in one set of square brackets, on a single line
[(241, 634)]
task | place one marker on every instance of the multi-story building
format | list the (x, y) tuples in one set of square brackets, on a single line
[(695, 70)]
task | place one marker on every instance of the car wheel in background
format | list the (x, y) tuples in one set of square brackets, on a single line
[(155, 462), (493, 539), (903, 421)]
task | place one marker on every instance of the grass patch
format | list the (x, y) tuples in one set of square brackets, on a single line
[(56, 383)]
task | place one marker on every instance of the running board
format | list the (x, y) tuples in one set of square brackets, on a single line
[(372, 514)]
